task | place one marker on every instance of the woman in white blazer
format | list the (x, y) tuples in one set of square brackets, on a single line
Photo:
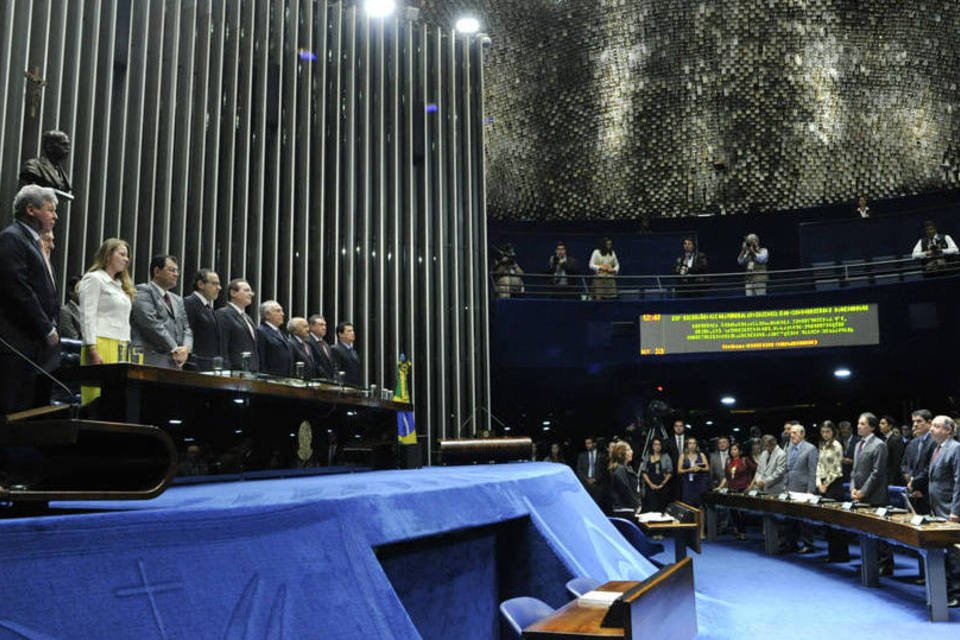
[(106, 296)]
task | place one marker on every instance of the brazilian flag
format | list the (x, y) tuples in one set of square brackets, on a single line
[(406, 429)]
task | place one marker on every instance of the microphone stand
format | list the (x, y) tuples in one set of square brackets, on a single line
[(74, 407)]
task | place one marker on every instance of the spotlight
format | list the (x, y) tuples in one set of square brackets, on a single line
[(379, 8), (728, 401), (843, 373), (467, 25)]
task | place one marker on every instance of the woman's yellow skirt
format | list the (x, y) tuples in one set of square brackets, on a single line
[(110, 351)]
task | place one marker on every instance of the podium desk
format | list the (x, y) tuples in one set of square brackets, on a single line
[(662, 606)]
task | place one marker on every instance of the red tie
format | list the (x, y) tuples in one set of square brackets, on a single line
[(936, 454)]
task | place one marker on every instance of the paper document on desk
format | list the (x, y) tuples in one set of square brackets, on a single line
[(654, 516), (600, 598), (797, 496)]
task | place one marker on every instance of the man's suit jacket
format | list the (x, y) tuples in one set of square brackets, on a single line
[(718, 466), (348, 361), (848, 448), (802, 475), (206, 332), (156, 329), (324, 358), (69, 326), (923, 449), (237, 334), (895, 448), (771, 469), (944, 477), (274, 351), (869, 473), (583, 466), (301, 351), (42, 171), (30, 308)]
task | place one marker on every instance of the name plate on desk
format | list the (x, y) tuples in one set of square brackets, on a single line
[(753, 493), (846, 506), (815, 500), (881, 511), (723, 491), (917, 521), (783, 496)]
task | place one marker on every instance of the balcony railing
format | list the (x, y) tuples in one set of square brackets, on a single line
[(819, 277)]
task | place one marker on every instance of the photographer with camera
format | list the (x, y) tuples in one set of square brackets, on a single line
[(507, 280), (933, 248), (754, 259)]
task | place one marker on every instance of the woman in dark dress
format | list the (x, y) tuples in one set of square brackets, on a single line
[(622, 477), (694, 472), (737, 476), (656, 471)]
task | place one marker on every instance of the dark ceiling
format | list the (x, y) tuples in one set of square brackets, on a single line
[(629, 109)]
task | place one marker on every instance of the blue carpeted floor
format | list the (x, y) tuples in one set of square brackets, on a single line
[(743, 594)]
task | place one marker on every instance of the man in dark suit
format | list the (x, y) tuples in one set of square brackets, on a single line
[(563, 268), (868, 478), (324, 358), (237, 332), (592, 469), (345, 355), (848, 440), (300, 349), (203, 320), (674, 447), (918, 453), (158, 321), (272, 345), (28, 315), (894, 448)]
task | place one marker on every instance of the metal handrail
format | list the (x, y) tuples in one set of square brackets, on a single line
[(727, 284)]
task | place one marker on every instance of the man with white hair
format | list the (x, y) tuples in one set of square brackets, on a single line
[(272, 346), (754, 259), (944, 488)]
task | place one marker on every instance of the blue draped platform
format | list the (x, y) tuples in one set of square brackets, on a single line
[(395, 554)]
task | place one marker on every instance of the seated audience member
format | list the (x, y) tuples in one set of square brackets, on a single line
[(507, 274), (203, 320), (106, 295), (159, 322), (563, 268), (272, 346), (300, 349), (70, 326), (605, 266), (656, 472), (323, 356), (863, 211), (830, 485), (894, 448), (691, 265), (622, 479), (737, 476), (772, 468), (944, 485), (754, 259), (192, 464), (934, 247), (238, 335), (693, 473), (345, 354)]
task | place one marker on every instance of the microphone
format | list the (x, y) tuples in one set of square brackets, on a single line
[(74, 407), (64, 195)]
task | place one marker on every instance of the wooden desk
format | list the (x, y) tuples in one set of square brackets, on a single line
[(662, 606), (684, 534), (931, 541), (247, 424)]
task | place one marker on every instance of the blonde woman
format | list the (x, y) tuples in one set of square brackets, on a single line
[(622, 477), (106, 294)]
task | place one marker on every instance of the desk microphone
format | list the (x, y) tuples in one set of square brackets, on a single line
[(74, 407)]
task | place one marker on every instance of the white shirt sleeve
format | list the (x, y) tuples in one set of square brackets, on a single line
[(918, 249), (762, 256), (951, 246)]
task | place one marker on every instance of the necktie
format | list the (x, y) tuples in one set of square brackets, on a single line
[(936, 454), (46, 261), (592, 471), (249, 323), (166, 301), (306, 350)]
